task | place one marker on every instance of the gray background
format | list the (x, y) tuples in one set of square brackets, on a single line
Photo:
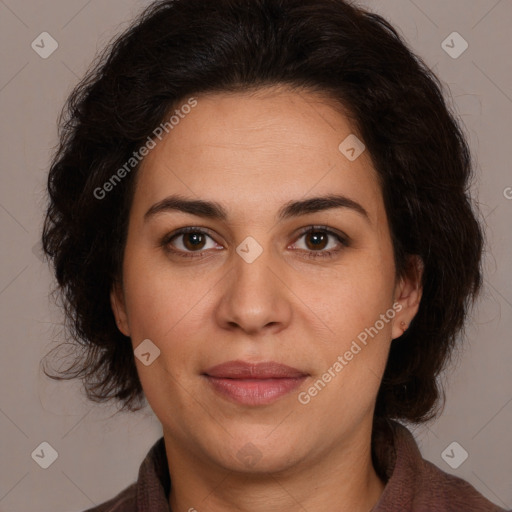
[(99, 455)]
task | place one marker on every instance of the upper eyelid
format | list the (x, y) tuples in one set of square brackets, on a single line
[(303, 231), (341, 237)]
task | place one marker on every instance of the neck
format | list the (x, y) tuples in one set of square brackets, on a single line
[(343, 475)]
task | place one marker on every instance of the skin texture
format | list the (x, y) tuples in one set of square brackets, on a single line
[(254, 152)]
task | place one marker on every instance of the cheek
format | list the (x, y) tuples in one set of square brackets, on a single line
[(355, 296), (164, 305), (359, 312), (151, 300)]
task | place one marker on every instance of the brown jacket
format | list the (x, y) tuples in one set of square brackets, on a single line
[(412, 483)]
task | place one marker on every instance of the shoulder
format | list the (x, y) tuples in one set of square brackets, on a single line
[(415, 484), (125, 501), (151, 490), (453, 492)]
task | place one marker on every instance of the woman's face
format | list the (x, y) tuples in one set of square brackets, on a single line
[(253, 287)]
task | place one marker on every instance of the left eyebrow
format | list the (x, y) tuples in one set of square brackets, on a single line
[(291, 209)]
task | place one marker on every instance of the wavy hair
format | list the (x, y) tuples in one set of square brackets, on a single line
[(179, 48)]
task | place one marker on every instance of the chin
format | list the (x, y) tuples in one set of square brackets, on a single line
[(259, 453), (254, 462)]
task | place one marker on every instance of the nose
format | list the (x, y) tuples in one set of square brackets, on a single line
[(255, 297)]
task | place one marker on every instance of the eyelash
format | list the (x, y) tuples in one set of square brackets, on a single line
[(344, 241)]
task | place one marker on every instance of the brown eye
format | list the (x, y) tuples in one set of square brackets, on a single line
[(193, 241), (187, 242), (316, 240)]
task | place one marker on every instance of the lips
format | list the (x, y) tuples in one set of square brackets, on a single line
[(253, 384), (243, 370)]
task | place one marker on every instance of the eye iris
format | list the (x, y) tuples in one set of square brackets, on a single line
[(198, 240), (315, 240), (317, 236)]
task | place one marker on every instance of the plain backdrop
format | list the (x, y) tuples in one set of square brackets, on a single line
[(99, 454)]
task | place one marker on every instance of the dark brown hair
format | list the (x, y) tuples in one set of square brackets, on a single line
[(177, 49)]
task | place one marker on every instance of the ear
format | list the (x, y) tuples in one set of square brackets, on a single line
[(408, 291), (118, 305)]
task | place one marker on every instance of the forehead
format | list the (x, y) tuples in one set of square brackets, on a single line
[(274, 144)]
